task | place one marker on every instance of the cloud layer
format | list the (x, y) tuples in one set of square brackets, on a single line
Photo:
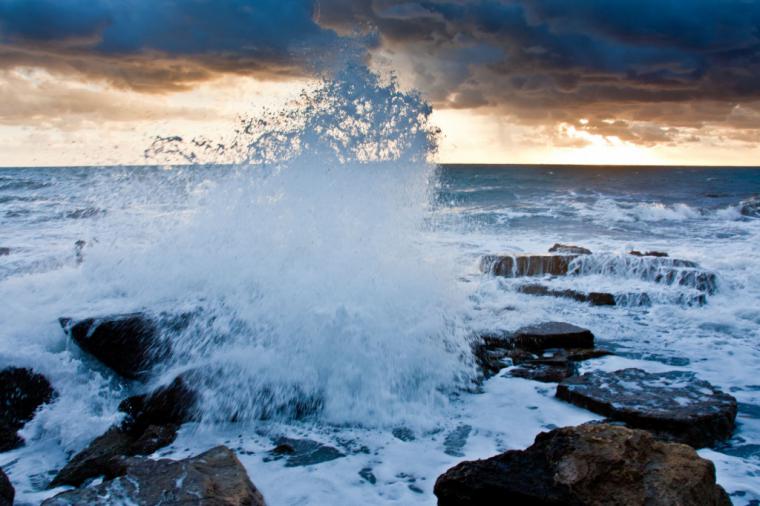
[(645, 71)]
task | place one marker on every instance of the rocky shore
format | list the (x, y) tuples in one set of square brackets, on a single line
[(643, 453)]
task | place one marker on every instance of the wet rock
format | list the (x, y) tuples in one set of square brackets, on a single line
[(553, 335), (455, 441), (6, 490), (367, 475), (303, 452), (22, 392), (545, 372), (490, 355), (592, 464), (751, 207), (5, 251), (129, 344), (152, 422), (545, 352), (215, 477), (674, 405), (403, 433), (569, 249), (658, 254), (174, 403), (593, 298), (527, 265)]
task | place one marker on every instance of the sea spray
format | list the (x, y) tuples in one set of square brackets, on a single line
[(307, 263)]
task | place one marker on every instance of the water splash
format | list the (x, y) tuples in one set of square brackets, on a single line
[(308, 261)]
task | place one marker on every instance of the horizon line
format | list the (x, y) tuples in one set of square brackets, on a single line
[(481, 164)]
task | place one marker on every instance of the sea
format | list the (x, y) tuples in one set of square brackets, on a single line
[(361, 285)]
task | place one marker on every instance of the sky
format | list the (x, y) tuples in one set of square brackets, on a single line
[(90, 82)]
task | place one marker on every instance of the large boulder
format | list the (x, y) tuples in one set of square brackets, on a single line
[(213, 478), (22, 392), (129, 344), (592, 464), (674, 405), (6, 490), (553, 335), (514, 266), (151, 423)]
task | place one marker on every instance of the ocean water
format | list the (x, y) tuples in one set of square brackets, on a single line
[(370, 311), (325, 262)]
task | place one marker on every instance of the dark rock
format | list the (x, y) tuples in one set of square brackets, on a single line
[(560, 345), (22, 392), (553, 335), (6, 490), (5, 251), (303, 452), (152, 422), (545, 372), (367, 475), (569, 249), (592, 464), (593, 298), (174, 403), (97, 459), (403, 433), (455, 441), (658, 254), (751, 207), (674, 405), (527, 265), (215, 477), (129, 344)]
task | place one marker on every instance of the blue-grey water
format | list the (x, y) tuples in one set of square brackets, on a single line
[(343, 276)]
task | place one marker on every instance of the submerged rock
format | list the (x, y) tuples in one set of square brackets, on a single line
[(589, 464), (303, 452), (152, 422), (129, 344), (545, 371), (674, 405), (658, 254), (4, 251), (215, 477), (751, 207), (526, 265), (22, 392), (553, 335), (593, 298), (6, 490), (569, 249)]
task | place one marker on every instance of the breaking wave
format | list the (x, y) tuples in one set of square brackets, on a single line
[(305, 260)]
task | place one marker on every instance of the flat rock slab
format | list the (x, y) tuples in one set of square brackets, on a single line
[(215, 477), (674, 405), (592, 464), (544, 372), (22, 392), (553, 335), (593, 298)]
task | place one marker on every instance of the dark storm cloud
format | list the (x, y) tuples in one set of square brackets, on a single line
[(683, 63), (163, 45)]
